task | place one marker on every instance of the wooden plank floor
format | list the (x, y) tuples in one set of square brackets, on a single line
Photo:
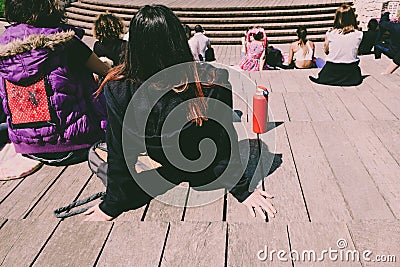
[(331, 159)]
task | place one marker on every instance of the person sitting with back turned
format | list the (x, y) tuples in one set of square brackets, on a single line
[(393, 49), (301, 52), (369, 38), (47, 85), (108, 29), (254, 58), (340, 46), (199, 43), (138, 108)]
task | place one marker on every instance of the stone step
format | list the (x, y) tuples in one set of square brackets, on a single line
[(76, 14), (88, 9), (199, 7), (223, 25), (236, 27), (225, 39)]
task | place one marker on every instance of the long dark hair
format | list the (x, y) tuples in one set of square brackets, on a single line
[(157, 41), (39, 13), (302, 35)]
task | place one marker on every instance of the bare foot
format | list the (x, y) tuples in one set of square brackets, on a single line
[(94, 214)]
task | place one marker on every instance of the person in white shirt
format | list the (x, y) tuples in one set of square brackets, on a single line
[(199, 43), (341, 46)]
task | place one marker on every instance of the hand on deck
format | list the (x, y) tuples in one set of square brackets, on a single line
[(259, 201), (94, 214)]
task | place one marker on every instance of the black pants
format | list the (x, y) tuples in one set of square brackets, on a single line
[(394, 55)]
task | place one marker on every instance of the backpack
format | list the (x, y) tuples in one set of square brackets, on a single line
[(209, 54), (273, 56)]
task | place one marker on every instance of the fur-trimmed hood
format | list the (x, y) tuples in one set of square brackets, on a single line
[(28, 53), (35, 41)]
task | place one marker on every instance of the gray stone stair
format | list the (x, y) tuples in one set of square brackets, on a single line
[(223, 25)]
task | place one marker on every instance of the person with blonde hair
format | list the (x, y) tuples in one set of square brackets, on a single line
[(108, 30), (301, 52), (341, 47)]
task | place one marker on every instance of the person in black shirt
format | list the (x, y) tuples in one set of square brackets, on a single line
[(369, 38), (157, 42), (393, 49), (108, 29)]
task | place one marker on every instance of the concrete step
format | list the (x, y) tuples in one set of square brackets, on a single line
[(227, 39), (199, 6), (204, 21), (224, 25), (88, 9), (231, 27)]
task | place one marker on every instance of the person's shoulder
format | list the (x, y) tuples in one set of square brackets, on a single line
[(358, 34), (119, 92), (211, 74), (96, 44)]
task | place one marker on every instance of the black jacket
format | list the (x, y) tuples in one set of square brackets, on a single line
[(123, 192), (394, 29), (112, 49)]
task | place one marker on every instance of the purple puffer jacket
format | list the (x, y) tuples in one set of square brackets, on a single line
[(28, 53)]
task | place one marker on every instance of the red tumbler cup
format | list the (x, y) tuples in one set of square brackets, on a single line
[(260, 110)]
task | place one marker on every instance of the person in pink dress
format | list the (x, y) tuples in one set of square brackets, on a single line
[(255, 51)]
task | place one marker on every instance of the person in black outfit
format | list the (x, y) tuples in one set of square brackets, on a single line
[(158, 41), (369, 38), (108, 29), (393, 49)]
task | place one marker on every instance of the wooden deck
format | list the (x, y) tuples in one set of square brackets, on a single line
[(339, 178)]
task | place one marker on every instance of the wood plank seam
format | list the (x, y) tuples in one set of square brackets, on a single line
[(83, 187), (104, 244), (226, 245), (3, 223), (345, 106), (165, 244), (145, 212), (385, 146), (370, 175), (380, 101), (352, 238), (334, 175), (287, 111), (297, 174), (45, 243), (225, 208), (289, 242), (44, 193), (6, 196), (185, 206)]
